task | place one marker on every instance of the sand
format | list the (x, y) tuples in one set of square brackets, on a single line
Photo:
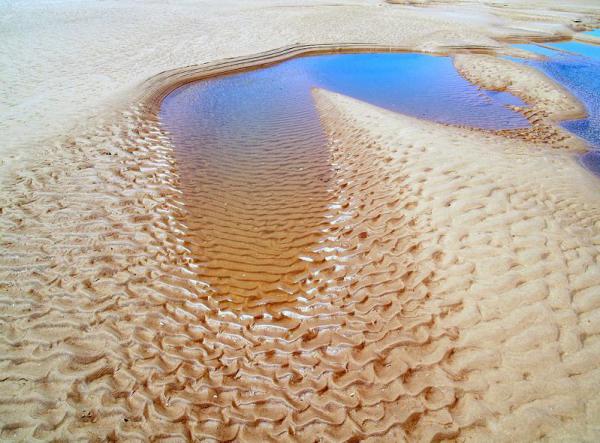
[(453, 296), (547, 103), (500, 262)]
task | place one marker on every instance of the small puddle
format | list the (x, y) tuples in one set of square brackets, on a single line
[(576, 66), (254, 165)]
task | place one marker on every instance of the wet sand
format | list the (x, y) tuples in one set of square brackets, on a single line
[(457, 294)]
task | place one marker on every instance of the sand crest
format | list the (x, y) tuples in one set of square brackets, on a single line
[(504, 264)]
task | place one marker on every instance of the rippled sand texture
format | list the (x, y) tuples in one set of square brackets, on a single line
[(447, 298), (117, 338), (90, 250), (255, 174), (505, 251)]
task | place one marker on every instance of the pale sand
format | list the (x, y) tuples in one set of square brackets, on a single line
[(504, 266), (547, 103), (461, 300), (586, 38)]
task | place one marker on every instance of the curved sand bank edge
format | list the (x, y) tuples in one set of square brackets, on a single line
[(548, 102), (57, 79), (153, 91)]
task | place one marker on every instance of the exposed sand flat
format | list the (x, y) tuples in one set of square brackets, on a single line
[(466, 308), (548, 102), (453, 295)]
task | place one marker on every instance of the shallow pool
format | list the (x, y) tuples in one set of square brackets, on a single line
[(254, 164)]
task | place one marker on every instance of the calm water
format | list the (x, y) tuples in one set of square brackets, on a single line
[(579, 71), (254, 165), (595, 32), (415, 84)]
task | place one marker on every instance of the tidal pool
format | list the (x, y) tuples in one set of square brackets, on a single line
[(578, 70), (254, 163)]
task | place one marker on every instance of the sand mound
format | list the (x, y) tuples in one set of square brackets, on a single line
[(506, 249), (527, 83)]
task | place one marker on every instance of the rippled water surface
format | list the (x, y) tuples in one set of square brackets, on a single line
[(255, 167), (579, 71)]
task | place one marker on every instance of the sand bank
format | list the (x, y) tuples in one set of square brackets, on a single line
[(548, 103), (456, 288)]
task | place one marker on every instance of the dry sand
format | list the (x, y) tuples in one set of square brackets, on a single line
[(457, 286)]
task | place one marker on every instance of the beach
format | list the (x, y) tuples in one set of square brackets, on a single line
[(450, 288)]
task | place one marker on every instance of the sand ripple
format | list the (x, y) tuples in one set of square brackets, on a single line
[(450, 293)]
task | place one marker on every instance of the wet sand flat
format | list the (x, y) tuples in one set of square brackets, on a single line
[(456, 293)]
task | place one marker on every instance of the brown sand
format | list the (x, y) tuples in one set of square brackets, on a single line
[(454, 294)]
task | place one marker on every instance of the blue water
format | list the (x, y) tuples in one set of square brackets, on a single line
[(579, 72), (588, 50), (576, 48), (505, 98), (595, 32), (415, 84)]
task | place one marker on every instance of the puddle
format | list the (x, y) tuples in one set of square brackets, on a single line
[(579, 71), (254, 164)]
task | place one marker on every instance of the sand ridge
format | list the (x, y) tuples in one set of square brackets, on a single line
[(519, 320)]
